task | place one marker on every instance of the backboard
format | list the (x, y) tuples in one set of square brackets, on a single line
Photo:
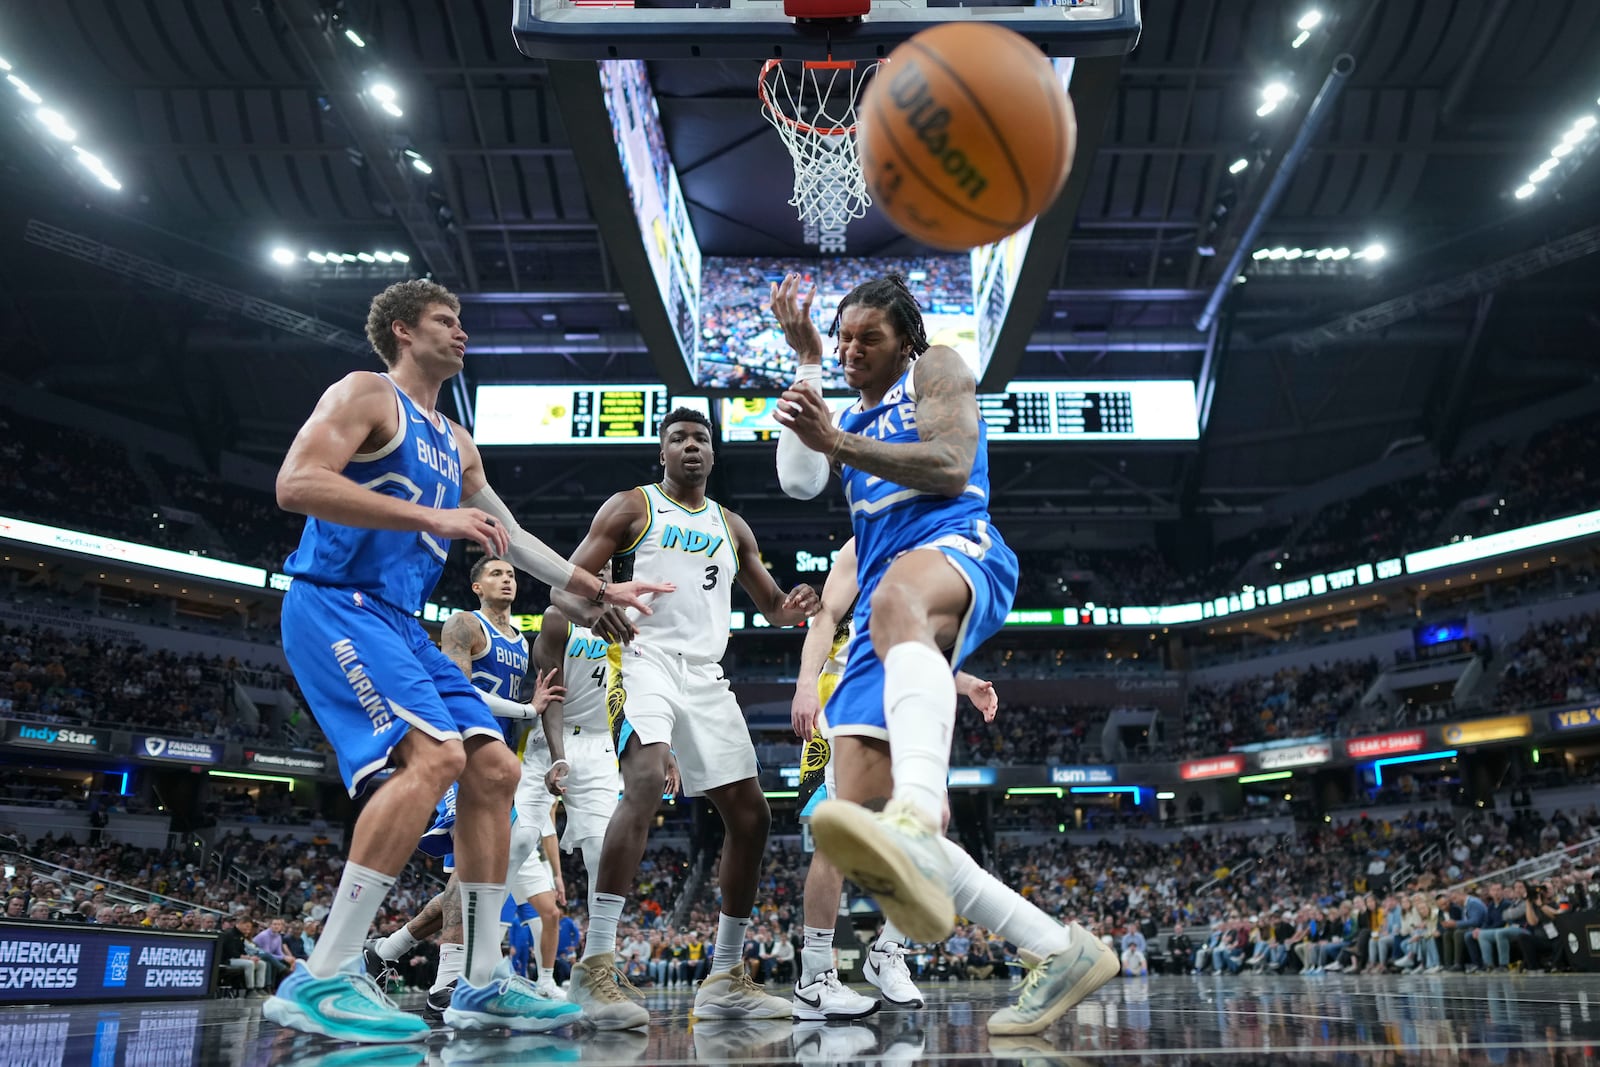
[(760, 29)]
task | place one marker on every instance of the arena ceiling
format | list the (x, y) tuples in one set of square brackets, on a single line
[(231, 129)]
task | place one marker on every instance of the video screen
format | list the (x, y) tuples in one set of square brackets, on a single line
[(664, 224), (740, 344)]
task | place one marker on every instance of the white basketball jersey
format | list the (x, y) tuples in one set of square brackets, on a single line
[(584, 672), (694, 550)]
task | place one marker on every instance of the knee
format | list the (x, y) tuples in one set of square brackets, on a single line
[(441, 763), (494, 768), (750, 820), (549, 914)]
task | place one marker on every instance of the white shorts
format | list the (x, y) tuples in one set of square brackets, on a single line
[(593, 784), (533, 877), (533, 799), (668, 700)]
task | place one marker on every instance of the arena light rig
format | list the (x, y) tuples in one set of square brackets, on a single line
[(1576, 144), (63, 135)]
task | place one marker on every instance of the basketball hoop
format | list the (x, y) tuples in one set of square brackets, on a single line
[(812, 105)]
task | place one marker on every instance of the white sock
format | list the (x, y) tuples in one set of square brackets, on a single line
[(729, 952), (982, 898), (536, 930), (919, 708), (450, 958), (816, 952), (480, 918), (891, 935), (395, 945), (361, 891), (605, 911)]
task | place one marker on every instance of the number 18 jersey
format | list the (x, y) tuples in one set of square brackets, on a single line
[(694, 550)]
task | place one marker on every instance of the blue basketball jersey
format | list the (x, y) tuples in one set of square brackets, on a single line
[(500, 669), (889, 519), (400, 567)]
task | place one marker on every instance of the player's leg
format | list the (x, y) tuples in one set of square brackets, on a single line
[(452, 950), (380, 953)]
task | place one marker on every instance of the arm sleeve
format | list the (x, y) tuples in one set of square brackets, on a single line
[(508, 709), (801, 472), (527, 551)]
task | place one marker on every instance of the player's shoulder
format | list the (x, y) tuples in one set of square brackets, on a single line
[(554, 621), (940, 367)]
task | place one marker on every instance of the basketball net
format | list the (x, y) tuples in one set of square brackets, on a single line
[(812, 105)]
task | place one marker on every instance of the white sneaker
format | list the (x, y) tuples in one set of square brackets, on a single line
[(826, 999), (1333, 968), (546, 987), (735, 995), (886, 969), (895, 857), (816, 1043)]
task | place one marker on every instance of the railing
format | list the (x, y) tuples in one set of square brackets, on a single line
[(72, 879)]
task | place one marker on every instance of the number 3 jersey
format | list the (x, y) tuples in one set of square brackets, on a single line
[(695, 551), (420, 464)]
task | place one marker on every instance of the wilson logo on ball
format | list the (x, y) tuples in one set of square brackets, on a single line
[(909, 91)]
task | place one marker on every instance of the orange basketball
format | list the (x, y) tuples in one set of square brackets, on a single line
[(965, 135)]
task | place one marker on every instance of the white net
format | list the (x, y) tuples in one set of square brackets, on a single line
[(813, 108)]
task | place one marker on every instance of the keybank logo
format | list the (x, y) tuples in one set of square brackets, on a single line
[(44, 735)]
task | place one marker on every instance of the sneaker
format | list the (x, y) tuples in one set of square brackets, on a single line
[(815, 1042), (894, 857), (594, 989), (735, 995), (826, 999), (626, 985), (349, 1006), (507, 1000), (885, 968), (379, 969), (1333, 968), (438, 1000), (1052, 986), (546, 987)]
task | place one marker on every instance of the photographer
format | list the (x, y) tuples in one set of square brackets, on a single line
[(1541, 943)]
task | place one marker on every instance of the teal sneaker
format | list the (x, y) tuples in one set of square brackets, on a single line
[(509, 1000), (346, 1007), (1054, 985)]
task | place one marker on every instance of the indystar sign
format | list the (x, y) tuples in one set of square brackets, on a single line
[(56, 737)]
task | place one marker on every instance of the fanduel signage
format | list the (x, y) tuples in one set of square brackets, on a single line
[(48, 964), (290, 762), (178, 750), (1082, 775), (57, 737), (1274, 759)]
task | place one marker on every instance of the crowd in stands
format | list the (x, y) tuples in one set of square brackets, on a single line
[(1558, 473), (1553, 663), (741, 346), (63, 677), (249, 521), (1293, 702)]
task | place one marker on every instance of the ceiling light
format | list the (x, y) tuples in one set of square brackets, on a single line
[(384, 92), (366, 257), (1341, 253), (1585, 123), (1294, 253), (1561, 151), (56, 124), (1372, 252), (1261, 253), (1310, 20), (282, 256), (1238, 165), (1574, 135), (347, 257), (1524, 191), (1278, 253), (422, 166), (392, 109), (333, 257), (316, 257), (401, 257), (1274, 92), (1324, 253), (23, 90), (383, 257), (354, 38), (1300, 39), (4, 65), (93, 164)]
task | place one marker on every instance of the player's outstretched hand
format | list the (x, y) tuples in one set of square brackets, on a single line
[(793, 313), (545, 691), (470, 524), (632, 594), (808, 415), (553, 779), (803, 601), (981, 692), (803, 711)]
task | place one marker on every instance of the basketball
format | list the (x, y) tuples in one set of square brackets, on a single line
[(966, 134)]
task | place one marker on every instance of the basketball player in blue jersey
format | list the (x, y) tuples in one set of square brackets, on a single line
[(667, 689), (936, 581), (386, 482)]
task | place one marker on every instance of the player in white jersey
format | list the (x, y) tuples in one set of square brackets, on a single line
[(667, 690)]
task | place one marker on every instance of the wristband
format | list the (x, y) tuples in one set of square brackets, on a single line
[(809, 372), (599, 599), (559, 763)]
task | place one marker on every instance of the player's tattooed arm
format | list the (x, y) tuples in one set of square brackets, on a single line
[(462, 639), (940, 461)]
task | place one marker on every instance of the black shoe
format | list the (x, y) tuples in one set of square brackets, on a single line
[(379, 969), (438, 1001)]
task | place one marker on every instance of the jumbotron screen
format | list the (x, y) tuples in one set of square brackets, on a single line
[(741, 347)]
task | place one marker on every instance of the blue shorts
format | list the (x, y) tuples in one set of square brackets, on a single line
[(990, 570), (439, 839), (370, 673)]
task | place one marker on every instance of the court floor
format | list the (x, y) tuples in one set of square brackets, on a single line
[(1450, 1019)]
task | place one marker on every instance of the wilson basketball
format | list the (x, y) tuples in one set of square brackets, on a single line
[(965, 134)]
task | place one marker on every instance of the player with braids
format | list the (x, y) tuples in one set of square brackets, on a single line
[(892, 295), (936, 581)]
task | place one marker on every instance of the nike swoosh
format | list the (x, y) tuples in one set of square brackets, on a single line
[(662, 511), (815, 1002)]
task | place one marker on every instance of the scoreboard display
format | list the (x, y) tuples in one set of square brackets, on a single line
[(574, 414)]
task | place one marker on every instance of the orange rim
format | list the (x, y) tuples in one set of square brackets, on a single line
[(793, 123)]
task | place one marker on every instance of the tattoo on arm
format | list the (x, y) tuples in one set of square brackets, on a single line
[(459, 640), (947, 430)]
